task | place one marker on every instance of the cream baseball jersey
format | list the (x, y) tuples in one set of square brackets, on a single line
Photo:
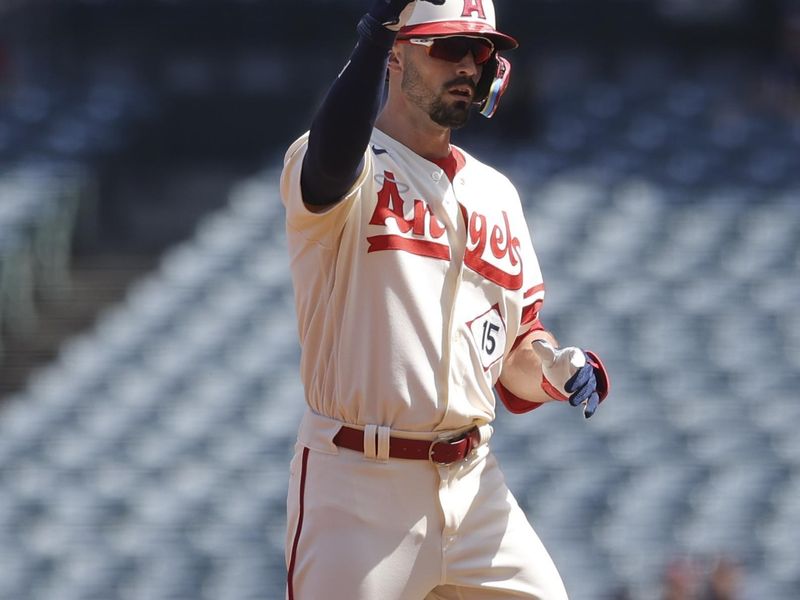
[(412, 290)]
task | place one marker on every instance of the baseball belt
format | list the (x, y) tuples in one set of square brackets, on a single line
[(442, 452)]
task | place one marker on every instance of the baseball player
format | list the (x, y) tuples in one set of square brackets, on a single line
[(418, 293)]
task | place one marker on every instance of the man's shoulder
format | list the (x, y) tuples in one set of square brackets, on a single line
[(482, 169)]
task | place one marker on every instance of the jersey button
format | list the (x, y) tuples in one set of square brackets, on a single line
[(436, 176)]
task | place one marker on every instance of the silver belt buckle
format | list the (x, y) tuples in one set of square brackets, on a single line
[(443, 439)]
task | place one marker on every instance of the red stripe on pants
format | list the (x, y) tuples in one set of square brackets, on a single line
[(290, 576)]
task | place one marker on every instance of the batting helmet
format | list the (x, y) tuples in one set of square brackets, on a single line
[(456, 17), (471, 18)]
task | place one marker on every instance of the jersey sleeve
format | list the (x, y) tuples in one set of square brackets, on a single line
[(325, 225), (513, 403)]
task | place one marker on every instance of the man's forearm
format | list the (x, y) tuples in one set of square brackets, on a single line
[(522, 370), (342, 126)]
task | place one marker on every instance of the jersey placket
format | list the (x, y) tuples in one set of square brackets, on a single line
[(456, 377), (457, 238), (447, 210)]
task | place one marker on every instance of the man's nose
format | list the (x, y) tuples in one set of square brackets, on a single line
[(467, 66)]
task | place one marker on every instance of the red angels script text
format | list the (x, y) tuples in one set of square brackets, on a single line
[(492, 250)]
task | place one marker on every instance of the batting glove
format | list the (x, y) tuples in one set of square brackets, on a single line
[(570, 374), (393, 14)]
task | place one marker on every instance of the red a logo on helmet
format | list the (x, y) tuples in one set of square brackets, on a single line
[(473, 6)]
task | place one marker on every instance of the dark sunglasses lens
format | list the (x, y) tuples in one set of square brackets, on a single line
[(455, 48), (482, 51), (449, 49)]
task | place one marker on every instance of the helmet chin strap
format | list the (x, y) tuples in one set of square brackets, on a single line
[(494, 82)]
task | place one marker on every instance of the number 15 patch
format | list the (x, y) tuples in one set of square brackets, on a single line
[(489, 333)]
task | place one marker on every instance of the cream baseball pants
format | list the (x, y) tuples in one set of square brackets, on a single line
[(364, 528)]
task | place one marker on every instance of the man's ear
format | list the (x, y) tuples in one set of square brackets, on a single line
[(394, 60)]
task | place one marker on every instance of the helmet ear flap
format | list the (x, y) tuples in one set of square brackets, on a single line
[(492, 85)]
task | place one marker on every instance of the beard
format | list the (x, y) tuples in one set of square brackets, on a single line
[(453, 115)]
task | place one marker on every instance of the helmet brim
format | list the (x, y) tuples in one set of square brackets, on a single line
[(442, 28)]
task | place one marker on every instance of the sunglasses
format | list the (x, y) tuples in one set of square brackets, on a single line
[(454, 48)]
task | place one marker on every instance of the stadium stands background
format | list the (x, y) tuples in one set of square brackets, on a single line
[(148, 354)]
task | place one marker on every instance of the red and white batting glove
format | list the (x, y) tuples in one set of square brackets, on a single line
[(574, 375)]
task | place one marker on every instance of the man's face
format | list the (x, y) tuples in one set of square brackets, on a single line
[(443, 90)]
